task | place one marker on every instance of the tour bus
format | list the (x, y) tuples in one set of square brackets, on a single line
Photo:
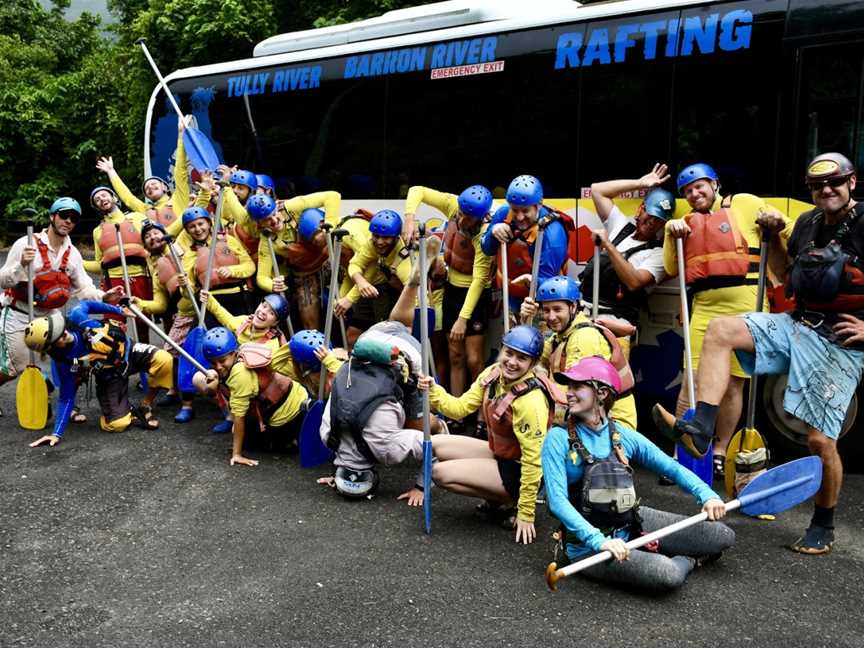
[(479, 91)]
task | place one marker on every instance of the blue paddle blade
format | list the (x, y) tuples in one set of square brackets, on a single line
[(199, 150), (193, 345), (703, 468), (313, 452), (782, 487), (427, 485), (415, 327)]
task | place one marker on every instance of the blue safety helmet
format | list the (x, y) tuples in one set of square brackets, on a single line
[(279, 305), (524, 191), (475, 201), (303, 345), (559, 288), (260, 206), (265, 182), (525, 339), (694, 172), (148, 225), (153, 177), (660, 203), (386, 223), (103, 188), (245, 178), (63, 204), (310, 221), (218, 342), (194, 213)]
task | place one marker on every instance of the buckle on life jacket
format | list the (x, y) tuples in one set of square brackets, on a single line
[(802, 316)]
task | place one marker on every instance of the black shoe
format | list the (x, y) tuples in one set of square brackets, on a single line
[(663, 480), (691, 437), (719, 466), (816, 540)]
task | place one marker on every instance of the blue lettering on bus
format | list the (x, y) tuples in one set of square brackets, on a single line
[(248, 84), (692, 35), (403, 60), (302, 78)]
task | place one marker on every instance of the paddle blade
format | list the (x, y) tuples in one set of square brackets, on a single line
[(427, 485), (199, 150), (193, 345), (782, 487), (743, 440), (415, 326), (31, 399), (313, 452), (703, 468)]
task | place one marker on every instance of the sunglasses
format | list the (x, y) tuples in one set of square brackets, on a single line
[(830, 182), (68, 215)]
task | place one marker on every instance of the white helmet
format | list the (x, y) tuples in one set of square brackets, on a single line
[(355, 484)]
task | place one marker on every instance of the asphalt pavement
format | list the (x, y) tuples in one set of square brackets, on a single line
[(151, 539)]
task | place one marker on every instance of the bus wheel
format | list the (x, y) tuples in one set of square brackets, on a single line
[(787, 435)]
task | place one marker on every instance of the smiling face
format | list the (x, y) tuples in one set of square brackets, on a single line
[(223, 364), (832, 196), (700, 194), (154, 241), (104, 201), (582, 400), (524, 217), (558, 314), (199, 229), (241, 191), (514, 364), (383, 244), (264, 317), (154, 189), (647, 225), (63, 222)]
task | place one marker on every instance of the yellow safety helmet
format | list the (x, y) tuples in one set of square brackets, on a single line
[(42, 332)]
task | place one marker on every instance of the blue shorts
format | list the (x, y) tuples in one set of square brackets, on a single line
[(823, 376)]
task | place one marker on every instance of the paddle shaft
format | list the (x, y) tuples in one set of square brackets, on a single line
[(159, 76), (535, 262), (334, 267), (30, 295), (424, 329), (211, 253), (162, 334), (275, 263), (126, 284), (335, 251), (179, 265), (595, 284), (505, 287), (685, 322), (760, 298)]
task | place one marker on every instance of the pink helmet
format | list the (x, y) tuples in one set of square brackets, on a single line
[(592, 369)]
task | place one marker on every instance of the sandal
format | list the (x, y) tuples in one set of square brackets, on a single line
[(143, 418), (816, 540), (719, 466), (77, 417)]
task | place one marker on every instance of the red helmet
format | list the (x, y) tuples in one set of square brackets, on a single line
[(593, 369), (827, 166)]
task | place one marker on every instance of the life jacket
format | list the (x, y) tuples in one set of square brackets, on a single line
[(458, 249), (357, 389), (716, 254), (519, 259), (163, 215), (249, 241), (558, 357), (498, 410), (303, 255), (167, 273), (389, 269), (108, 346), (51, 287), (614, 295), (132, 245), (347, 253), (606, 494), (273, 387), (273, 333), (828, 279), (223, 258)]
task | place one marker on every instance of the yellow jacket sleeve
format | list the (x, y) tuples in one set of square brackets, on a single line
[(332, 363), (94, 266), (458, 407), (530, 416), (670, 254), (330, 201), (481, 270), (283, 362), (362, 260), (159, 303), (180, 197), (232, 210), (264, 273), (446, 203), (243, 385), (129, 199), (225, 318)]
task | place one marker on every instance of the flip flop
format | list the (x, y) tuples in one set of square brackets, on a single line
[(77, 417)]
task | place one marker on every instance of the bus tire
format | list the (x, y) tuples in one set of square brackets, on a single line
[(786, 436)]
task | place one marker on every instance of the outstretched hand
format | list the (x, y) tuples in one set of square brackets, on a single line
[(240, 460), (414, 496), (525, 532), (105, 165), (656, 177), (50, 439)]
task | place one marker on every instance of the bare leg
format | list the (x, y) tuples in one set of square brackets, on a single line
[(442, 358), (452, 447), (729, 414), (403, 311), (474, 355), (724, 335), (832, 467), (352, 333), (457, 366), (471, 477)]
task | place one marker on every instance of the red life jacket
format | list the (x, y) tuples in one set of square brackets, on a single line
[(558, 357), (303, 256), (163, 215), (273, 387), (167, 273), (224, 257), (498, 410), (132, 245), (51, 288), (716, 254), (249, 241), (458, 249)]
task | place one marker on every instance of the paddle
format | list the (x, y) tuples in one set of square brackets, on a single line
[(326, 227), (424, 362), (198, 147), (127, 286), (704, 467), (195, 339), (748, 438), (31, 392), (275, 263), (505, 287), (169, 242), (595, 284), (162, 334), (312, 451), (772, 492)]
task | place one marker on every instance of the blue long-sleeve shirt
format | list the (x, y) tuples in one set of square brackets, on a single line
[(563, 466), (554, 252), (64, 359)]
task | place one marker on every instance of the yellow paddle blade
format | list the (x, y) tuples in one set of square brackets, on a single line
[(31, 399), (744, 439)]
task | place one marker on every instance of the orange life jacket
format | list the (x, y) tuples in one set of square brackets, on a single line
[(164, 215), (498, 410), (132, 245), (716, 254), (303, 256), (458, 249), (223, 258), (249, 241), (51, 287), (273, 387), (558, 357), (167, 273), (389, 270)]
